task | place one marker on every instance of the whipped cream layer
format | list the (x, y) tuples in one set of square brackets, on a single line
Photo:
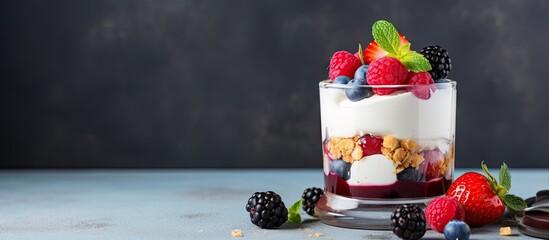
[(402, 115), (372, 170)]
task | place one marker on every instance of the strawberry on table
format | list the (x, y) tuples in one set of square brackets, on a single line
[(483, 198)]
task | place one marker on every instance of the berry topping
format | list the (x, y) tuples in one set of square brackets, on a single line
[(442, 210), (361, 72), (374, 51), (483, 197), (310, 198), (267, 209), (408, 222), (325, 149), (386, 71), (425, 84), (341, 168), (439, 60), (432, 166), (370, 145), (343, 63), (357, 93), (342, 79), (456, 229), (409, 174)]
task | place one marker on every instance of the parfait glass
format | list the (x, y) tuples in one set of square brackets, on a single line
[(396, 145)]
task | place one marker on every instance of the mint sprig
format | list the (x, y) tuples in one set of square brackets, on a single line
[(502, 189), (386, 36), (293, 212), (415, 62)]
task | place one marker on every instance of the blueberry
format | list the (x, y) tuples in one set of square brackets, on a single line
[(409, 174), (357, 93), (341, 168), (342, 79), (361, 72), (456, 229)]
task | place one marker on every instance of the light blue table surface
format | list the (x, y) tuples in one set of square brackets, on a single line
[(178, 204)]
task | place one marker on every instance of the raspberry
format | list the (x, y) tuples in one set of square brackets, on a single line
[(422, 78), (442, 210), (386, 71), (370, 145), (343, 63)]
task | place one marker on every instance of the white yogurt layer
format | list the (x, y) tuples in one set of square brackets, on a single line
[(401, 115), (372, 170)]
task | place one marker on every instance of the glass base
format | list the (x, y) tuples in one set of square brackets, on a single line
[(372, 214)]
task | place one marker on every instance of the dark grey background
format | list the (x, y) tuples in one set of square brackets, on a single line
[(234, 83)]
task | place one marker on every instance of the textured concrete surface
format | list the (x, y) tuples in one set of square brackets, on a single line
[(175, 204)]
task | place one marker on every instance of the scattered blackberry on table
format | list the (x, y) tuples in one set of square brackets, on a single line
[(310, 198), (408, 222), (440, 61), (267, 209)]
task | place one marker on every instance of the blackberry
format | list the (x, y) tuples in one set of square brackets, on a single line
[(310, 198), (440, 61), (267, 209), (408, 222)]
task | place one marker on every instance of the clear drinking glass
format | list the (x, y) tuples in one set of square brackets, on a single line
[(384, 150)]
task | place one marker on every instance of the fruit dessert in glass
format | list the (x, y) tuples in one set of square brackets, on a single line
[(388, 130)]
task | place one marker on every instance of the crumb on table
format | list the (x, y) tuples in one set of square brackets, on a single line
[(505, 231), (236, 233)]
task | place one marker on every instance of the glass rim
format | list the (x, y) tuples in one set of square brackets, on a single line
[(328, 84)]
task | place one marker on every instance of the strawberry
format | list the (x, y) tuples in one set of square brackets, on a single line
[(343, 63), (421, 78), (374, 51), (482, 198), (386, 71), (442, 210)]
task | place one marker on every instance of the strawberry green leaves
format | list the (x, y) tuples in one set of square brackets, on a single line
[(504, 176), (512, 201), (361, 54), (386, 36), (293, 212)]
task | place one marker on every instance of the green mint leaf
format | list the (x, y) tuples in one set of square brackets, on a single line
[(293, 212), (295, 207), (415, 62), (361, 54), (404, 49), (294, 218), (386, 36), (514, 202), (505, 177)]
